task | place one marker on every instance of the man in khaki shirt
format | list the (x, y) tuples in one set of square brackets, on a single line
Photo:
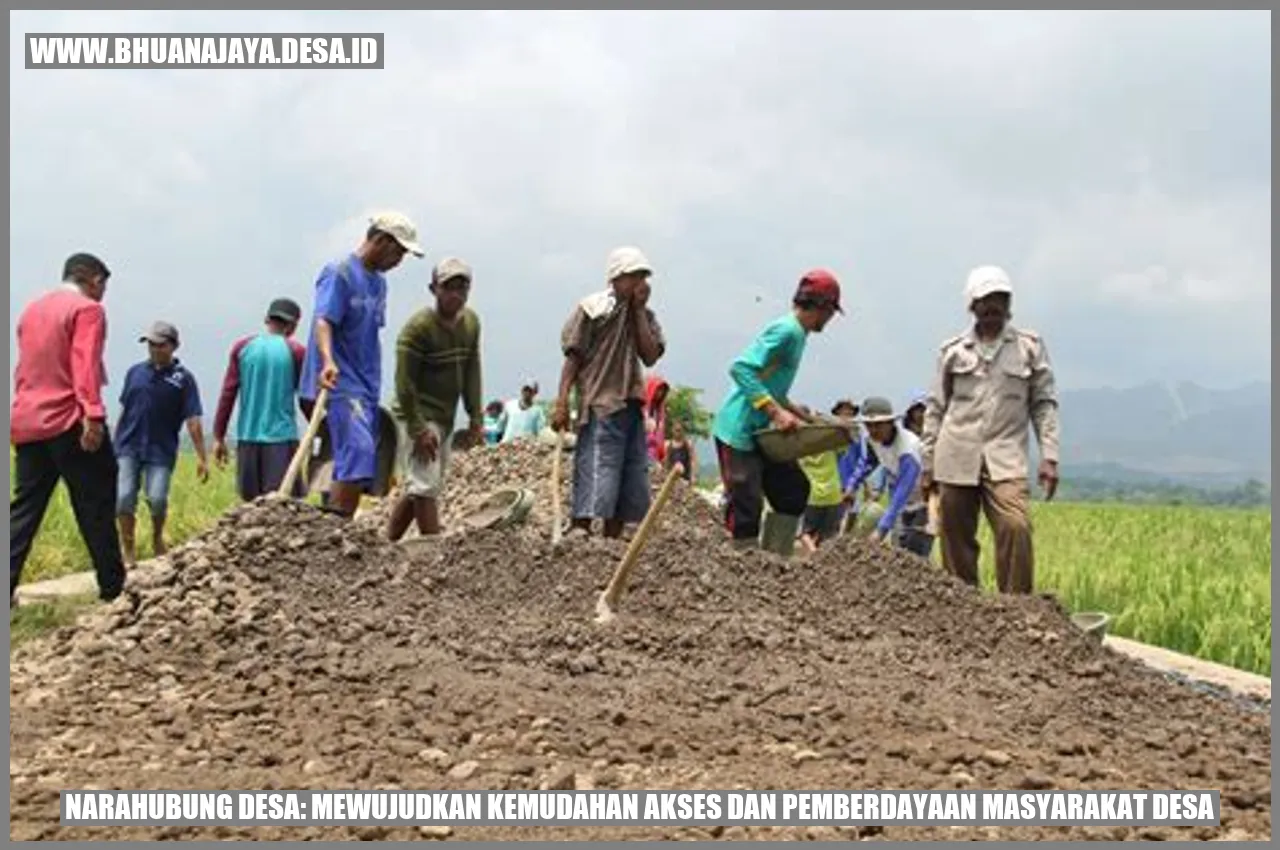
[(992, 382)]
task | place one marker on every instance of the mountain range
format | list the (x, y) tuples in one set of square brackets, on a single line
[(1179, 432), (1158, 433)]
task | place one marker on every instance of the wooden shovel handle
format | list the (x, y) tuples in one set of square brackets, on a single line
[(620, 576), (556, 521), (304, 447)]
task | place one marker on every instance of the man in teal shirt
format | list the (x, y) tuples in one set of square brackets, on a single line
[(262, 374), (762, 378), (525, 419)]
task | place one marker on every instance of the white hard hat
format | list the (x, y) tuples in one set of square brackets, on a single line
[(984, 281)]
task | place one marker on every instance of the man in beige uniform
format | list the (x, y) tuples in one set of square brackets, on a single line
[(991, 383)]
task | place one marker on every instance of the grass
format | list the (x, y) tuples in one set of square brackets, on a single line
[(1192, 579), (193, 507), (31, 621)]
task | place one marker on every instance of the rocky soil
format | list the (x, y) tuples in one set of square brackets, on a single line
[(284, 649)]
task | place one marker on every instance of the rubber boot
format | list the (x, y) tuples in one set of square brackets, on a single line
[(779, 534)]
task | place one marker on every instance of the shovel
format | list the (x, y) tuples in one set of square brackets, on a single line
[(609, 598), (304, 447), (556, 520)]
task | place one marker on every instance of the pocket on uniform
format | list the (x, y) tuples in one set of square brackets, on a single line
[(1015, 380), (964, 378)]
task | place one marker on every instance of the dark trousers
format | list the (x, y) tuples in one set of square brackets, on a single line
[(750, 478), (91, 483), (912, 535)]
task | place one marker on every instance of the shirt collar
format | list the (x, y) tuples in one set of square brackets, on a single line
[(971, 336), (174, 365)]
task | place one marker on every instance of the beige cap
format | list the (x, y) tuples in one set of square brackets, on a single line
[(448, 268), (399, 228), (626, 260)]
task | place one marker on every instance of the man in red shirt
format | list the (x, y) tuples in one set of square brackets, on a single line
[(58, 422)]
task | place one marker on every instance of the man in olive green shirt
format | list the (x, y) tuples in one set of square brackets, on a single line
[(437, 363)]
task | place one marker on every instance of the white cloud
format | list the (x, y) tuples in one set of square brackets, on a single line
[(1110, 160)]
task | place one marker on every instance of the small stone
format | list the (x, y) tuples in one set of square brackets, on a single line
[(667, 749), (561, 778), (802, 756), (996, 758), (437, 833), (437, 757), (1033, 781), (464, 770), (1243, 799), (1069, 748)]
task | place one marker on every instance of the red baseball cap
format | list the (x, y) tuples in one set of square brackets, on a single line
[(820, 285)]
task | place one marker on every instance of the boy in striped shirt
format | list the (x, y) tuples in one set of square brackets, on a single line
[(437, 363)]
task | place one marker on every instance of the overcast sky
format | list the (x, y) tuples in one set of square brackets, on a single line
[(1117, 164)]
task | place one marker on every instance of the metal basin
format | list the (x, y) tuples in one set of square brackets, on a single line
[(1092, 623), (811, 438), (502, 509)]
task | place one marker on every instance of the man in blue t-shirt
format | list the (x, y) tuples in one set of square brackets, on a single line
[(158, 397), (762, 378), (344, 354)]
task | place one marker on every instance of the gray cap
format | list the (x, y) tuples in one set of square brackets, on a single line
[(876, 409), (160, 332)]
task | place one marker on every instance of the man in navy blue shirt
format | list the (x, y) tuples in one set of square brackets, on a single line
[(159, 395), (344, 354)]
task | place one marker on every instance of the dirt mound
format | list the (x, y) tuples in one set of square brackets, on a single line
[(286, 650), (475, 475)]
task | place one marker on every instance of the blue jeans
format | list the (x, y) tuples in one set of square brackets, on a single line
[(611, 467), (131, 475)]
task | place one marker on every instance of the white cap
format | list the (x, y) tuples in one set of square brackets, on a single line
[(626, 260), (984, 281), (399, 228), (448, 268)]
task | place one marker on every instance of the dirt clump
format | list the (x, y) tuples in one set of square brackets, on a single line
[(285, 649)]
